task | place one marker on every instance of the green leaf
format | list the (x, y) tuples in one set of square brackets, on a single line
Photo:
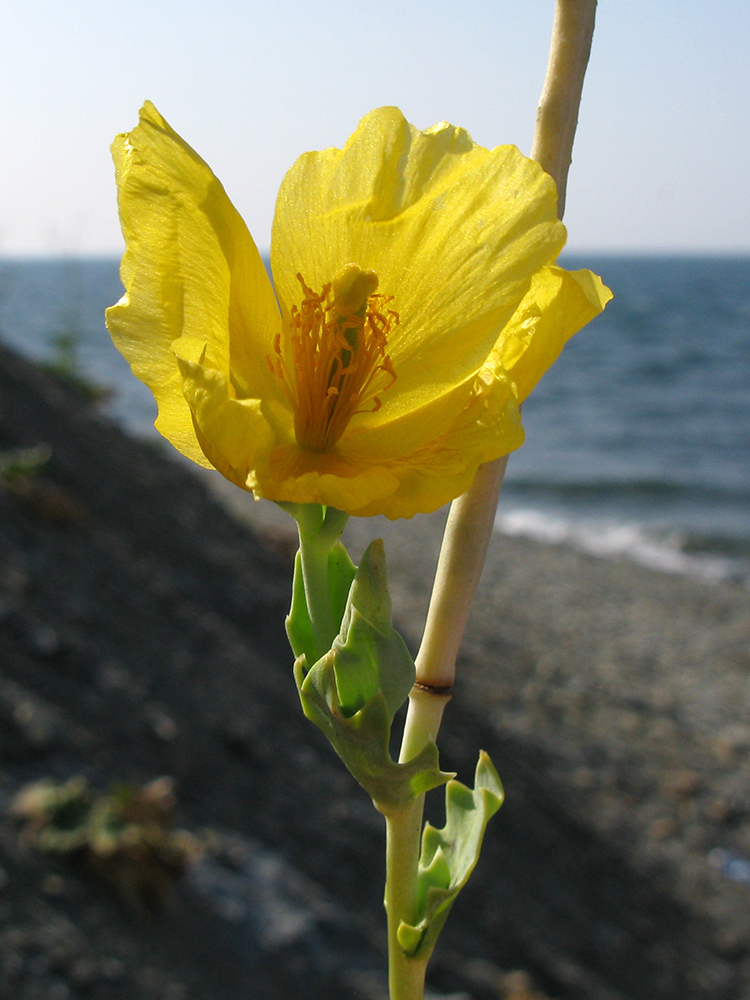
[(355, 665), (353, 691), (449, 855), (409, 938), (341, 572), (370, 655), (361, 740)]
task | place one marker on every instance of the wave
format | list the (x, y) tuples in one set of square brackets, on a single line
[(668, 551)]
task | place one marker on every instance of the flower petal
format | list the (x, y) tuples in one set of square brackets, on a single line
[(410, 430), (190, 268), (233, 433), (454, 232), (361, 482), (556, 306), (488, 427), (302, 477)]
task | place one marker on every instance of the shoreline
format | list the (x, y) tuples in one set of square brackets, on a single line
[(612, 541), (648, 428)]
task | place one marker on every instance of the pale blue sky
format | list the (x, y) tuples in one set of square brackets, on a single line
[(661, 161)]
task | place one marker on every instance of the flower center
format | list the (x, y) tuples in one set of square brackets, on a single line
[(332, 355)]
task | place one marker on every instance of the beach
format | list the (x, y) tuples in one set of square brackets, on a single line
[(141, 635)]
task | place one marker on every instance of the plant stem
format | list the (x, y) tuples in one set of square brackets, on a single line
[(467, 535), (314, 557), (403, 837), (423, 719), (465, 542), (319, 528), (557, 114)]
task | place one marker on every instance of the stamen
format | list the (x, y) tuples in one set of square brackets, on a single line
[(332, 357)]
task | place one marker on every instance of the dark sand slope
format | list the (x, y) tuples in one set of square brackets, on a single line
[(141, 635)]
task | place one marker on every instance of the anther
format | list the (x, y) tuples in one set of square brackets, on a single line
[(332, 357)]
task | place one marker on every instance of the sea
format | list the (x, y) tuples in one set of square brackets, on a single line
[(637, 440)]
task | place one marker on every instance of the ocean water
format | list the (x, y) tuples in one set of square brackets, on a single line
[(638, 439)]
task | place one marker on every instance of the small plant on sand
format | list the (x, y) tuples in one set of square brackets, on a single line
[(416, 302), (126, 837)]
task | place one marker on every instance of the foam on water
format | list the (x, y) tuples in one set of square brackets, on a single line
[(656, 549)]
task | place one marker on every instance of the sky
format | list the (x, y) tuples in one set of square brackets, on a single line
[(662, 155)]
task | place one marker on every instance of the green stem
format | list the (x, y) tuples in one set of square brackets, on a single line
[(315, 573), (403, 836), (472, 515), (403, 843), (319, 529)]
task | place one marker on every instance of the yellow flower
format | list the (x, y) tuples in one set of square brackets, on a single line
[(415, 304)]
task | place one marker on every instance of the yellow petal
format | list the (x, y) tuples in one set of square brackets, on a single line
[(453, 231), (357, 480), (393, 478), (190, 269), (233, 433), (410, 429), (329, 479), (489, 426), (556, 306)]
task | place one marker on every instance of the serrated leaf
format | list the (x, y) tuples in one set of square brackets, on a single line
[(361, 740), (456, 848), (355, 664), (367, 661), (370, 592)]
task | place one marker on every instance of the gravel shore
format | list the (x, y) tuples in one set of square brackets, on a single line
[(141, 635)]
